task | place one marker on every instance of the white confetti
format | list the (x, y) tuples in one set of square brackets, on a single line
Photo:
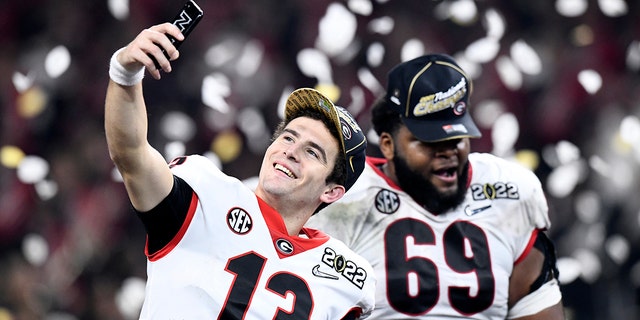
[(32, 169), (57, 61)]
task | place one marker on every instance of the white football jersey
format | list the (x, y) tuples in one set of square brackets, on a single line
[(233, 259), (453, 265)]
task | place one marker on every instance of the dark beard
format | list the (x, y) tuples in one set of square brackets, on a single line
[(424, 192)]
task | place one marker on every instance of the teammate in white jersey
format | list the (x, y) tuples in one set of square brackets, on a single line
[(450, 234), (219, 250)]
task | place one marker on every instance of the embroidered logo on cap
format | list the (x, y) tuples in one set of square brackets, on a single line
[(441, 100)]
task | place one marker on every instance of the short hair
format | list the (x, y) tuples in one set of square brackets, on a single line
[(383, 118)]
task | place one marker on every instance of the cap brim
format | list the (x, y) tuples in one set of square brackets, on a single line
[(306, 98), (440, 130)]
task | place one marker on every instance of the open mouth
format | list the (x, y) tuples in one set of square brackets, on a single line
[(284, 170), (446, 173)]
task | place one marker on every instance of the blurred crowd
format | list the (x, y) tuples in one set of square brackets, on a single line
[(556, 87)]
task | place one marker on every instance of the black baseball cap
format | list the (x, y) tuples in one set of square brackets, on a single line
[(431, 94), (352, 142)]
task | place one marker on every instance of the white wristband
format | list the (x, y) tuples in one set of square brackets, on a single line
[(120, 75)]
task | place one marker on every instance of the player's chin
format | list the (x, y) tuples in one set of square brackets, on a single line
[(445, 188)]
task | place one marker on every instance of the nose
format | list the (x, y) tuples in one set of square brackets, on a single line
[(291, 152), (446, 152), (448, 148)]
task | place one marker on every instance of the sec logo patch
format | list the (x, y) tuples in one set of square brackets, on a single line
[(387, 201), (239, 221)]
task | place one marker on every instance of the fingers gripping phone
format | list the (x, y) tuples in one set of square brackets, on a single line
[(186, 20)]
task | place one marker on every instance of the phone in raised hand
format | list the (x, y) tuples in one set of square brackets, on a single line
[(186, 20)]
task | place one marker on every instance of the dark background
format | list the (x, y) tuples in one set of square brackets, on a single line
[(76, 250)]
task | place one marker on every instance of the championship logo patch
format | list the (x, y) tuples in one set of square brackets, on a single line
[(346, 268), (496, 190), (239, 221)]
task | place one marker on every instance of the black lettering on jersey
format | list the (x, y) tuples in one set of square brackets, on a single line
[(347, 268), (497, 190), (239, 221), (387, 201)]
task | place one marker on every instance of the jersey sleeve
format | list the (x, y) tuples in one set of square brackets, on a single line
[(523, 209), (533, 209), (367, 299), (536, 205), (163, 222)]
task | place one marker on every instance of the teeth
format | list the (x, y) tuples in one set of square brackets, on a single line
[(285, 170), (446, 172)]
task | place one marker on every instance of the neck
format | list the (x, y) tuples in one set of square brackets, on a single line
[(389, 172), (294, 214)]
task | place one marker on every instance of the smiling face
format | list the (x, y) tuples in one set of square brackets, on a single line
[(296, 165), (433, 174)]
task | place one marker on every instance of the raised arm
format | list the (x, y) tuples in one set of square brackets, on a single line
[(146, 174)]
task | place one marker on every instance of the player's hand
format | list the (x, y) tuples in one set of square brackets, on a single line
[(149, 43)]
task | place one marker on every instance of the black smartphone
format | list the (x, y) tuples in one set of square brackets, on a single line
[(186, 20)]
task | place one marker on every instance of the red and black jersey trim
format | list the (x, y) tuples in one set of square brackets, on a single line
[(168, 221)]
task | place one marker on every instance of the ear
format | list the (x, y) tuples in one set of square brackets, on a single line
[(334, 193), (386, 145)]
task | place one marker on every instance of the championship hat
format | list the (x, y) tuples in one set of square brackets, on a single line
[(431, 94), (352, 141)]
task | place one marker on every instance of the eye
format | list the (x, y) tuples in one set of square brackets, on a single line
[(313, 153), (287, 138)]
